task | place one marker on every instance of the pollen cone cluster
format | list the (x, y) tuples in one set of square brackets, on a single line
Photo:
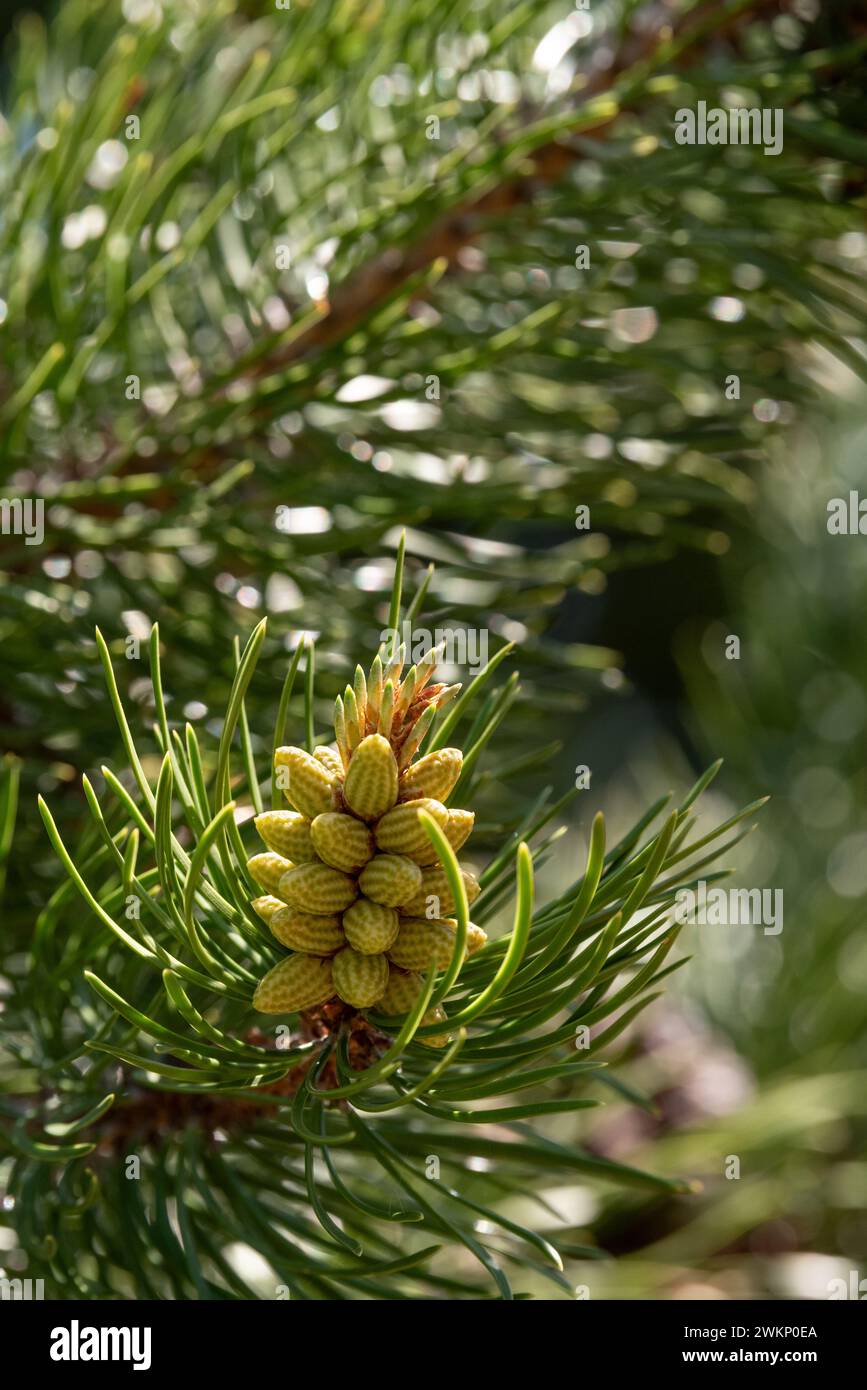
[(351, 883)]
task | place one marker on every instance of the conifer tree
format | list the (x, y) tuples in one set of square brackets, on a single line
[(314, 320)]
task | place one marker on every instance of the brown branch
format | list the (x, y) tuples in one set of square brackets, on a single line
[(360, 296), (148, 1117)]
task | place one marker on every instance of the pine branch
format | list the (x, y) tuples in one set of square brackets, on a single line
[(314, 1129), (605, 95)]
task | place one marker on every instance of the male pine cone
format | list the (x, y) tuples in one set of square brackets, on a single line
[(352, 886)]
